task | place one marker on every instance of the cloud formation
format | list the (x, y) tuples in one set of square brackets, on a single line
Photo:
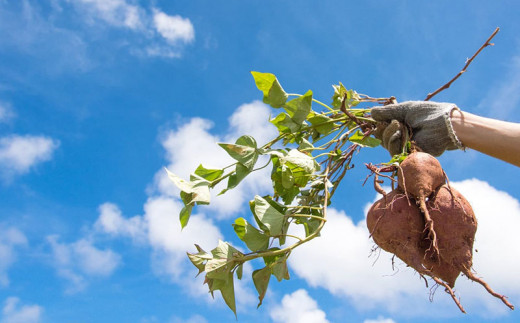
[(298, 307), (163, 34), (504, 97), (159, 226), (12, 312), (6, 112), (118, 13), (80, 260), (339, 262), (18, 154), (10, 240), (379, 319), (192, 144)]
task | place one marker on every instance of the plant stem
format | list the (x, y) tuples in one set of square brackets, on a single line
[(299, 215), (291, 247), (319, 102)]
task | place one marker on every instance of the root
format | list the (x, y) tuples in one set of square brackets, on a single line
[(428, 227), (474, 278), (447, 179), (424, 271), (449, 291), (399, 169), (377, 185)]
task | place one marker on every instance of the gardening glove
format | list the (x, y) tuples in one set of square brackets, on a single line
[(429, 122), (393, 136)]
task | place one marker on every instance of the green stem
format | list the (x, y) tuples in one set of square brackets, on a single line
[(291, 247), (330, 153), (300, 215), (305, 207), (319, 102), (287, 235), (218, 180)]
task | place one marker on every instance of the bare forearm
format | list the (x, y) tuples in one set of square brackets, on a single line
[(495, 138)]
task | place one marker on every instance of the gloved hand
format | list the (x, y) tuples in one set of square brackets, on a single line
[(429, 122)]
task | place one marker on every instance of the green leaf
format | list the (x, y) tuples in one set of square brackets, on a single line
[(225, 250), (285, 124), (322, 123), (209, 174), (227, 289), (194, 191), (184, 216), (240, 271), (299, 108), (299, 159), (361, 140), (287, 195), (182, 184), (241, 172), (252, 237), (244, 151), (351, 97), (280, 270), (274, 94), (199, 259), (305, 144), (200, 191), (197, 262), (310, 225), (267, 216), (302, 166), (339, 92), (287, 177), (261, 280)]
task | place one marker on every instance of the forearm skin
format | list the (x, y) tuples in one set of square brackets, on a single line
[(499, 139)]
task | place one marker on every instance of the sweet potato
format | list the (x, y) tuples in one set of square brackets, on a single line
[(402, 222), (419, 175)]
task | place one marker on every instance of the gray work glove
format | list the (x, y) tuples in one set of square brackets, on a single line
[(429, 122)]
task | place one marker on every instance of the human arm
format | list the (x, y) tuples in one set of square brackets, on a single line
[(499, 139), (436, 127)]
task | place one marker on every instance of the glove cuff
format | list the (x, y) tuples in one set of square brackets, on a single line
[(451, 133)]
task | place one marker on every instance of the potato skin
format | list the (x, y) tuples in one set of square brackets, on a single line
[(397, 226), (455, 224), (420, 174)]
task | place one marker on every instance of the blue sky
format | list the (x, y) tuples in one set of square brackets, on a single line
[(96, 97)]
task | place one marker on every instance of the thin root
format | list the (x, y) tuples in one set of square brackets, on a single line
[(474, 278), (450, 291), (428, 227)]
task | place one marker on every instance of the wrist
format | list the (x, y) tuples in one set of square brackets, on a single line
[(454, 120)]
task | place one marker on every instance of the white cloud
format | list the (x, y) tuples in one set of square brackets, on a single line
[(174, 29), (80, 260), (19, 153), (112, 222), (344, 247), (115, 12), (498, 213), (193, 319), (298, 307), (12, 312), (193, 144), (379, 319), (10, 239), (6, 112), (47, 48), (164, 34), (505, 95), (186, 147)]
